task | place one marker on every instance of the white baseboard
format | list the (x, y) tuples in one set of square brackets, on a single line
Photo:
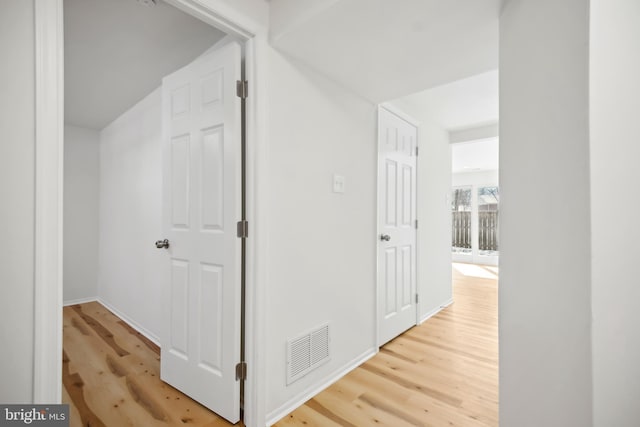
[(277, 414), (79, 301), (435, 311), (152, 337)]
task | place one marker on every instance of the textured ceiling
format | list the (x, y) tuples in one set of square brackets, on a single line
[(118, 51)]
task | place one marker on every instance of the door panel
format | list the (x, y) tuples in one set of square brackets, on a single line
[(397, 140), (407, 276), (390, 178), (210, 324), (391, 260), (407, 195), (179, 307), (180, 149), (212, 185), (202, 203)]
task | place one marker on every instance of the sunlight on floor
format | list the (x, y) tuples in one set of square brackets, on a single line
[(481, 271), (491, 268)]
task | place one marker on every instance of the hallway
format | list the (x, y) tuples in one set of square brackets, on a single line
[(441, 373)]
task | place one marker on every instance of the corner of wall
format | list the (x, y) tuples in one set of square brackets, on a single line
[(429, 310), (314, 389), (81, 214)]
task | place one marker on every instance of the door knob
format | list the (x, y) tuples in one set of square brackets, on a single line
[(162, 244), (385, 237)]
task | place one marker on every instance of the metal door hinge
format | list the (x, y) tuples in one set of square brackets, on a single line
[(241, 371), (417, 299), (416, 223), (242, 89), (416, 150), (243, 229)]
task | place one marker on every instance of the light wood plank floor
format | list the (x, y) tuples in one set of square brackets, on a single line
[(111, 376), (441, 373)]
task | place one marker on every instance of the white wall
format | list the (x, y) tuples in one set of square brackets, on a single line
[(322, 246), (17, 194), (287, 15), (81, 191), (131, 213), (615, 130), (257, 10), (545, 292), (434, 218)]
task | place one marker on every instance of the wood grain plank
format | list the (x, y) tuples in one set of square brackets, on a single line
[(412, 385), (305, 416), (317, 406), (103, 332), (74, 386), (384, 405), (116, 372), (146, 341)]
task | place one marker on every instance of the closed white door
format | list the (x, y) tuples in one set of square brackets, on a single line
[(200, 342), (397, 142)]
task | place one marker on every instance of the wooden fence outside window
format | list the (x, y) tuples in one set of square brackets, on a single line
[(461, 236), (487, 230)]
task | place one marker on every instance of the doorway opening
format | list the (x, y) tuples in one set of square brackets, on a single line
[(141, 165), (457, 197), (457, 125)]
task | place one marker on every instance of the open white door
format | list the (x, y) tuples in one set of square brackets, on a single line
[(397, 142), (200, 342)]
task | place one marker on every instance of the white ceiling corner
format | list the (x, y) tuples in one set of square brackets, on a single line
[(468, 109), (386, 49), (463, 104), (117, 51)]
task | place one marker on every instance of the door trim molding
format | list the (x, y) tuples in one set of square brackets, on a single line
[(49, 141), (49, 155), (220, 15), (398, 112)]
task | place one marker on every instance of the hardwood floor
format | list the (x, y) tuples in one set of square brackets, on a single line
[(111, 376), (441, 373)]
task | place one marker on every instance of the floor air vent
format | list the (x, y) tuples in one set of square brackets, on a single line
[(307, 352)]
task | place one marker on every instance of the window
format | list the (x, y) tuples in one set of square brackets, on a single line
[(488, 199), (461, 220)]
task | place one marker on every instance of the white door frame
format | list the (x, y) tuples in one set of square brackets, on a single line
[(393, 109), (49, 152)]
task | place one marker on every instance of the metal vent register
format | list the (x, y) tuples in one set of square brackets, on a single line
[(307, 352)]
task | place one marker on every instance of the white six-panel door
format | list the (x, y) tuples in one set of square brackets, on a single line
[(397, 141), (200, 342)]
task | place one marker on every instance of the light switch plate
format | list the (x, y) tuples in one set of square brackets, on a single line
[(338, 184)]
